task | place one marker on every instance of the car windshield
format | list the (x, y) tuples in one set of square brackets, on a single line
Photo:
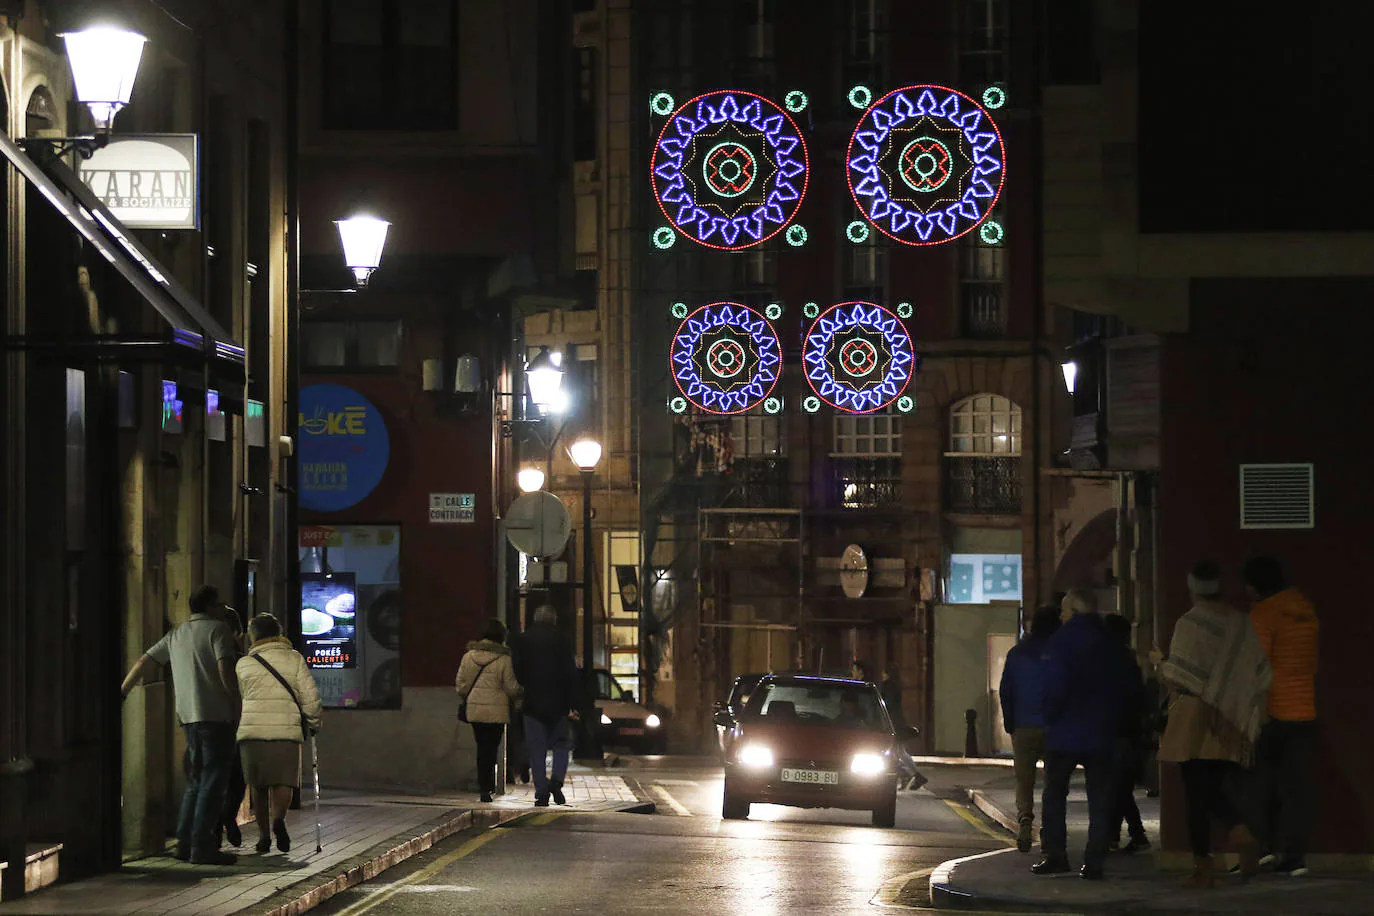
[(607, 687), (846, 705)]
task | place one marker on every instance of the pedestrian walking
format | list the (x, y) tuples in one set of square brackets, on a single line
[(891, 690), (1286, 624), (281, 708), (1081, 711), (1022, 695), (486, 681), (545, 667), (1131, 742), (1219, 678), (238, 787), (201, 652)]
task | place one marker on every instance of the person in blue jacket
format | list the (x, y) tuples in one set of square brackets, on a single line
[(1022, 692), (1082, 712)]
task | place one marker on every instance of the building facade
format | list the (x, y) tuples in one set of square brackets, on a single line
[(144, 387)]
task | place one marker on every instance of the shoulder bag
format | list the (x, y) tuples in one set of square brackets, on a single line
[(305, 724), (463, 700)]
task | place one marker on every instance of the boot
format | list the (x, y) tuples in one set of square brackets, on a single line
[(556, 790), (1055, 863), (1024, 836), (1201, 875), (1247, 847)]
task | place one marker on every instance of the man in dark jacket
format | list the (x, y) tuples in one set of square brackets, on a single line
[(1022, 693), (1129, 759), (545, 667), (1082, 700)]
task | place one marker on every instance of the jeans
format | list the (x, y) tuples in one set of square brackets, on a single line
[(1130, 757), (488, 735), (1283, 773), (1205, 785), (210, 748), (540, 739), (1054, 834), (1027, 748)]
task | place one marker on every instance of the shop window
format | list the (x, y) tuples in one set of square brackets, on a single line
[(979, 578), (333, 346)]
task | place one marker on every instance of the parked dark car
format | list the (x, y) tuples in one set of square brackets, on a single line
[(812, 742)]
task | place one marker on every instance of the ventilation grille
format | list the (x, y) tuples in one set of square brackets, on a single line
[(1276, 496)]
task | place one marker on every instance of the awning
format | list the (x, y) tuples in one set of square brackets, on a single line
[(193, 337)]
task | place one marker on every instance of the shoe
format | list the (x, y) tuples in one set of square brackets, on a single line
[(1293, 868), (1137, 844), (1091, 873), (486, 798), (1267, 861), (1114, 845), (1024, 833), (556, 790), (525, 777), (264, 845), (1247, 847), (283, 838), (1201, 876), (1052, 865), (213, 858), (233, 834), (182, 853), (541, 802)]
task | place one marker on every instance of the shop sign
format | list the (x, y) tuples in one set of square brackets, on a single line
[(148, 181), (343, 447), (452, 508)]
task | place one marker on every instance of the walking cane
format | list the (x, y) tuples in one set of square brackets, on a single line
[(315, 767)]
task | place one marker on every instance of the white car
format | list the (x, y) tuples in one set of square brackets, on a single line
[(626, 722)]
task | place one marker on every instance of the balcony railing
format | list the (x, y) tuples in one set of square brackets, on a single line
[(867, 483), (987, 485), (759, 483)]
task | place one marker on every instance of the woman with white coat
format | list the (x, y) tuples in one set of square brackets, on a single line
[(486, 681), (278, 690)]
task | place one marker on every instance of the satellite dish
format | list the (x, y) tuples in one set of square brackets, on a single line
[(854, 571), (538, 524)]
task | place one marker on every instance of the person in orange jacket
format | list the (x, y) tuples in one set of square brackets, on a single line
[(1286, 623)]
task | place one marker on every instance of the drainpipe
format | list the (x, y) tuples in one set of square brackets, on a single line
[(1037, 298), (288, 489)]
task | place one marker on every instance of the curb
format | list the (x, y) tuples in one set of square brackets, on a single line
[(944, 896), (980, 800)]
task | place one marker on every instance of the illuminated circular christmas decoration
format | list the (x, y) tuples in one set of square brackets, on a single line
[(811, 403), (664, 237), (679, 310), (661, 103), (992, 232), (858, 357), (773, 311), (925, 164), (729, 169), (796, 235), (994, 97), (860, 96), (857, 232), (904, 310), (678, 405), (905, 404), (772, 405), (795, 100), (811, 310), (726, 358)]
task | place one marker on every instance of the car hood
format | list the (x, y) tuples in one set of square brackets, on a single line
[(811, 741), (619, 709)]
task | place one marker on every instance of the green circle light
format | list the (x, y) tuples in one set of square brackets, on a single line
[(773, 311), (678, 405), (861, 96), (679, 310), (795, 100), (994, 97), (811, 310), (772, 405), (905, 404), (811, 404), (796, 235), (904, 310), (661, 103), (857, 232), (664, 237), (991, 232)]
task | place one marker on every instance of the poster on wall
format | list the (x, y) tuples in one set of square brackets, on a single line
[(343, 447), (352, 567)]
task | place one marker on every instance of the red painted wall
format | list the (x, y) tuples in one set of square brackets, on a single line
[(448, 572), (1277, 371)]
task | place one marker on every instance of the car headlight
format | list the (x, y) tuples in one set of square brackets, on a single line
[(868, 764), (756, 756), (605, 719), (653, 721)]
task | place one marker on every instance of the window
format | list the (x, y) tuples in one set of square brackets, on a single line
[(584, 107), (983, 42), (985, 424), (864, 267), (391, 65), (867, 461), (977, 578), (866, 41), (334, 345), (982, 276), (754, 41), (868, 435), (756, 269), (757, 437)]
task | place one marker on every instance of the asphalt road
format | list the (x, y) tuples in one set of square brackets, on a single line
[(684, 859)]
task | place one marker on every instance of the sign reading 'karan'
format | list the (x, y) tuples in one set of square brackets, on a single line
[(149, 181)]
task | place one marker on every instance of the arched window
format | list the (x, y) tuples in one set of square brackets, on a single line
[(985, 424)]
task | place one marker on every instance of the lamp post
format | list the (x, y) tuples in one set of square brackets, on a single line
[(363, 237), (586, 453), (530, 480), (104, 62)]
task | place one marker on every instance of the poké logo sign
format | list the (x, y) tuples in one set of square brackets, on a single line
[(148, 181), (343, 447)]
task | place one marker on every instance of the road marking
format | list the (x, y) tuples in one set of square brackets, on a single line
[(678, 807), (981, 827), (429, 871)]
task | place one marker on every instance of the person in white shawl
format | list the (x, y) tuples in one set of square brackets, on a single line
[(1219, 677)]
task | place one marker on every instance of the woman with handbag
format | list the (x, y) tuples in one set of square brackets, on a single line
[(486, 684), (281, 704)]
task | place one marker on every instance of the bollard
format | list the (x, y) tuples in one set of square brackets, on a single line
[(970, 733)]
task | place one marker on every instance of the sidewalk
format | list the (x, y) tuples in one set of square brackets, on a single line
[(362, 834), (1134, 882)]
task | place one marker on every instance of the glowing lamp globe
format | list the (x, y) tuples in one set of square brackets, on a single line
[(1070, 370), (363, 239), (545, 377), (531, 480), (585, 453), (104, 62)]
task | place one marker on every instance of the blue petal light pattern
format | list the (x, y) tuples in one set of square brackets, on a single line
[(908, 139), (858, 357), (762, 137), (726, 358)]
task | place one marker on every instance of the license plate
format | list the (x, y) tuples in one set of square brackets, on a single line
[(632, 731), (816, 777)]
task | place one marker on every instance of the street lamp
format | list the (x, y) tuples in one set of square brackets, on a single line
[(544, 375), (1070, 370), (363, 238), (104, 62), (586, 453), (531, 480)]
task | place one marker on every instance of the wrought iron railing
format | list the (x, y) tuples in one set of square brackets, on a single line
[(866, 483), (983, 317), (759, 483), (988, 485)]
